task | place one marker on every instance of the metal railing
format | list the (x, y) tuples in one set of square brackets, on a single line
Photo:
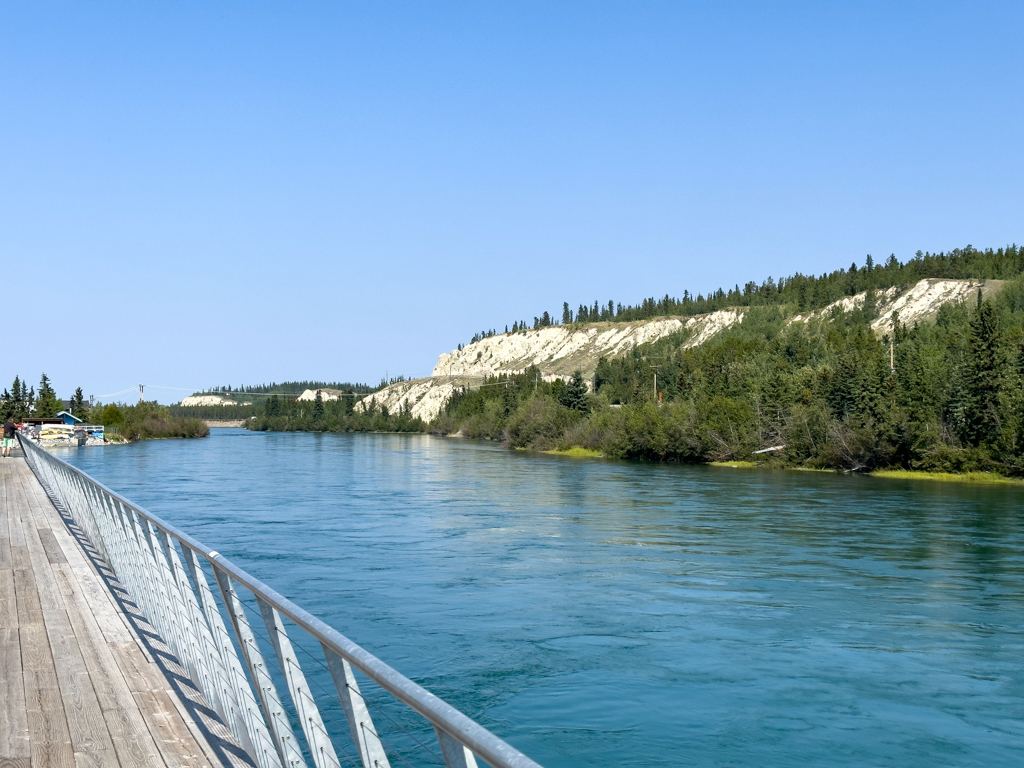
[(163, 569)]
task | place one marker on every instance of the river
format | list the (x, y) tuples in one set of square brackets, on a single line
[(600, 613)]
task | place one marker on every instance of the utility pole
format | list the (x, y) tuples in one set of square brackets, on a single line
[(656, 369), (141, 387)]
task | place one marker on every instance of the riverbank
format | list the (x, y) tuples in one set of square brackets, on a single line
[(978, 478), (982, 478)]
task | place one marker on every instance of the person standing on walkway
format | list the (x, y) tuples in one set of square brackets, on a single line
[(9, 429)]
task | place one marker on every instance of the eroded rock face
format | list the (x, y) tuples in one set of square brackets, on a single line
[(560, 350), (325, 394), (425, 397), (919, 303), (557, 351), (210, 400)]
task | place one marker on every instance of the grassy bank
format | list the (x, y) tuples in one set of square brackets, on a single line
[(581, 453), (981, 478)]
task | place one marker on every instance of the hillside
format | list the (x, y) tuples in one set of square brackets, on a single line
[(558, 351)]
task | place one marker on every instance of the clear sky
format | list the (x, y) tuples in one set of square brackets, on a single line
[(210, 193)]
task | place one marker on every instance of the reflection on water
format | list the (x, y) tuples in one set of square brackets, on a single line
[(608, 613)]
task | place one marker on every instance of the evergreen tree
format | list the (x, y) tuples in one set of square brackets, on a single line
[(78, 404), (273, 406), (574, 394), (47, 404), (983, 374), (318, 408), (566, 314)]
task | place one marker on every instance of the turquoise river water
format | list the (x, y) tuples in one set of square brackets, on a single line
[(600, 613)]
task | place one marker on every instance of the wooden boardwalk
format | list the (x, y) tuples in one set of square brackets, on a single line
[(84, 680)]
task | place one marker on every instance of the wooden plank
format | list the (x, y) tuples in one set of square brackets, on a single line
[(14, 739), (14, 762), (88, 730), (49, 740), (30, 613), (72, 585), (128, 731), (19, 558), (169, 731), (8, 602), (50, 546)]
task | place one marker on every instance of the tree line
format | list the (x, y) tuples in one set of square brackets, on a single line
[(142, 421), (804, 292), (285, 414)]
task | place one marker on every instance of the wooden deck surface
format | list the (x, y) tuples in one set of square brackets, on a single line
[(84, 680)]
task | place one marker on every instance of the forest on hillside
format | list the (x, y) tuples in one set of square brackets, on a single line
[(803, 292), (286, 388), (941, 396)]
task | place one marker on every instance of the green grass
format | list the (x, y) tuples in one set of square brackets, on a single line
[(579, 453), (986, 478), (744, 464)]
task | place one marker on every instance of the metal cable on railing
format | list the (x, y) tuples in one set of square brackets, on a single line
[(165, 571), (355, 692)]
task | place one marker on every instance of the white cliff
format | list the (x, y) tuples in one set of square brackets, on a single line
[(557, 351), (919, 303), (325, 394), (193, 400)]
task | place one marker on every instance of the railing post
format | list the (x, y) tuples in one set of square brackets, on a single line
[(455, 755), (364, 735), (273, 710), (245, 718), (197, 634), (319, 742)]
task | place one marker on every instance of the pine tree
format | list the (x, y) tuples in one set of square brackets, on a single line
[(47, 404), (566, 314), (983, 374), (574, 394), (318, 408), (78, 403)]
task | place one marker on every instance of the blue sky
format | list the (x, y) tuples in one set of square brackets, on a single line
[(209, 193)]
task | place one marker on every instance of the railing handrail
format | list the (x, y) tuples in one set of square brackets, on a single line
[(497, 752)]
